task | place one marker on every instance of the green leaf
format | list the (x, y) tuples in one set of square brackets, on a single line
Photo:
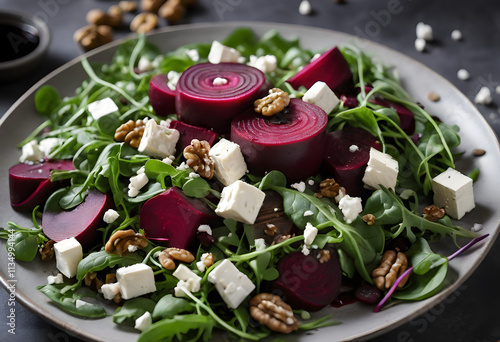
[(98, 261), (196, 187), (25, 246), (273, 178), (424, 286), (361, 117), (422, 258), (47, 99), (133, 309), (169, 306), (168, 329)]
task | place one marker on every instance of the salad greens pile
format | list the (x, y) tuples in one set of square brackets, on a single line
[(102, 163)]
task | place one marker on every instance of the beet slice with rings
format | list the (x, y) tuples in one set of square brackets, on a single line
[(346, 155), (291, 142), (161, 97), (202, 102), (30, 185), (331, 68)]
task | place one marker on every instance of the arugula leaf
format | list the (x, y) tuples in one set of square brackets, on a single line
[(169, 306), (180, 325), (133, 309), (98, 261)]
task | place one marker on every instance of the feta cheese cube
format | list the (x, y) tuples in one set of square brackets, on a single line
[(310, 233), (453, 192), (382, 169), (233, 286), (229, 163), (351, 207), (267, 63), (424, 31), (222, 54), (143, 322), (102, 107), (322, 96), (31, 152), (68, 254), (158, 141), (188, 280), (109, 291), (110, 216), (58, 279), (240, 201), (135, 280)]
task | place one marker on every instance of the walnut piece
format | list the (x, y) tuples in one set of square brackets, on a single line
[(273, 103), (152, 5), (130, 132), (324, 256), (92, 281), (271, 229), (172, 10), (433, 213), (47, 251), (273, 312), (198, 159), (369, 219), (128, 6), (114, 16), (124, 241), (391, 267), (328, 188), (93, 36), (144, 22), (168, 256)]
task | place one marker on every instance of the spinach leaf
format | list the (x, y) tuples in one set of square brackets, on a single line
[(424, 286), (169, 306), (180, 325), (47, 99), (25, 246), (422, 258), (133, 309), (97, 261)]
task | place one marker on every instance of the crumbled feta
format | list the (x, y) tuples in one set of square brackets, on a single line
[(340, 195), (420, 44), (305, 7), (193, 54), (205, 228), (310, 233), (68, 254), (260, 244), (456, 35), (229, 163), (188, 281), (144, 64), (477, 227), (137, 183), (267, 63), (351, 207), (222, 54), (132, 248), (463, 75), (158, 141), (102, 107), (382, 169), (218, 81), (143, 322), (193, 175), (173, 78), (305, 250), (483, 96), (310, 182), (135, 280), (300, 187), (497, 89), (168, 160), (58, 279), (353, 148), (132, 192), (79, 303), (31, 152), (233, 286), (48, 144), (182, 166), (240, 201), (202, 264), (322, 96), (110, 216), (453, 191), (315, 57), (424, 31), (141, 170), (109, 291), (308, 213)]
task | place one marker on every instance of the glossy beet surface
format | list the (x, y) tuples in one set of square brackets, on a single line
[(80, 222), (201, 103), (306, 283), (346, 155), (172, 218), (30, 185), (292, 142), (189, 132), (161, 97)]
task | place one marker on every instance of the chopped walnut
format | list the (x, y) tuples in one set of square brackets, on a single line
[(270, 229), (391, 267), (168, 256), (282, 238), (324, 256), (433, 213), (47, 251), (273, 312), (144, 22), (130, 132), (369, 219), (478, 152), (93, 36), (198, 159), (172, 10), (124, 241), (128, 6), (328, 188), (273, 103), (91, 280)]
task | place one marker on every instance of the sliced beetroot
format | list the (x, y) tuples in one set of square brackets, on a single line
[(30, 185), (201, 103), (80, 222), (331, 68), (346, 155), (161, 97), (172, 218), (307, 284), (189, 132), (291, 142), (406, 117)]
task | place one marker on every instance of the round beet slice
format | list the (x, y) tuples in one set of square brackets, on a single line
[(306, 283), (200, 102), (80, 222), (161, 97), (292, 142)]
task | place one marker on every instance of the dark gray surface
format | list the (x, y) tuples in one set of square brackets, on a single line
[(470, 314)]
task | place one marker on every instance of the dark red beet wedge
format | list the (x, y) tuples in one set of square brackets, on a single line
[(172, 218), (346, 162), (331, 68), (201, 103), (30, 185), (189, 133), (161, 97), (307, 284), (291, 142), (406, 117), (80, 222)]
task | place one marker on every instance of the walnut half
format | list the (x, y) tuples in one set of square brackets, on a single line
[(392, 266), (125, 241), (168, 256), (273, 103), (273, 312), (198, 159)]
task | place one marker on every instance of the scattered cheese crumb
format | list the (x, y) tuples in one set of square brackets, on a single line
[(205, 228), (110, 216), (301, 187), (310, 182), (483, 96), (420, 44), (477, 227), (132, 248), (308, 213), (168, 160), (497, 89), (58, 279), (305, 250), (456, 35), (193, 54), (305, 7), (310, 233), (183, 166), (79, 303), (218, 81), (463, 75), (260, 244), (145, 64), (194, 175), (173, 78), (353, 148), (351, 207), (424, 31), (276, 209)]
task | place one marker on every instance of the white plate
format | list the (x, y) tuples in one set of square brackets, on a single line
[(358, 321)]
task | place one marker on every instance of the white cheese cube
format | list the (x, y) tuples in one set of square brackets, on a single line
[(58, 279), (109, 291), (229, 163), (187, 280), (310, 233), (138, 181), (382, 169), (424, 31), (158, 141), (143, 322), (135, 280), (240, 201), (351, 207), (322, 96), (31, 152), (232, 285), (102, 107), (267, 63), (453, 192), (68, 254), (110, 216), (222, 54)]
